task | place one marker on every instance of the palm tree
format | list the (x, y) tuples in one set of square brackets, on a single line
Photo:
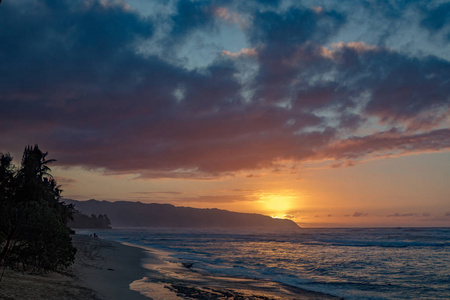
[(35, 216), (34, 163)]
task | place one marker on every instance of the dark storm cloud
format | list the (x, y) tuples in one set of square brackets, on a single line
[(72, 79), (278, 37), (397, 87), (269, 2), (191, 15), (294, 27), (390, 142), (404, 87), (437, 19), (72, 44)]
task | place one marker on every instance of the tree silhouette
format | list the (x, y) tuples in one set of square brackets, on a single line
[(81, 220), (33, 231), (8, 211)]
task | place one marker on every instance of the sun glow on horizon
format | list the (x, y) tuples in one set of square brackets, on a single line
[(278, 205), (283, 217)]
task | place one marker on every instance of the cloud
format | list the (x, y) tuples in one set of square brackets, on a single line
[(73, 80), (230, 16), (288, 216), (212, 199), (280, 39), (294, 26), (154, 196), (359, 47), (388, 143), (436, 19), (410, 88), (403, 215), (269, 2), (240, 53), (64, 181), (191, 15), (359, 214), (340, 164), (157, 193)]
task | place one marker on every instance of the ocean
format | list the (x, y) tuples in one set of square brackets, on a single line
[(356, 263)]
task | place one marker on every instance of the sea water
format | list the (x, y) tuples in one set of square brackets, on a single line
[(357, 263)]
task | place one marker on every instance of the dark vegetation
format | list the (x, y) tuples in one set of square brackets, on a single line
[(34, 235), (80, 220)]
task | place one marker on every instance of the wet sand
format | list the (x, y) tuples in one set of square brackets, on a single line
[(111, 270), (168, 278)]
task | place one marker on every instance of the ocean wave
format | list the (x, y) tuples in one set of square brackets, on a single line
[(395, 263)]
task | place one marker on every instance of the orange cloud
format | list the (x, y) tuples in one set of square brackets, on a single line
[(357, 46), (243, 52), (230, 16)]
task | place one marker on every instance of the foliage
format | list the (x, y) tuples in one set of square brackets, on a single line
[(33, 231), (81, 220)]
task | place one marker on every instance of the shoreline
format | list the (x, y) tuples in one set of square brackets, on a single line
[(169, 279), (106, 269)]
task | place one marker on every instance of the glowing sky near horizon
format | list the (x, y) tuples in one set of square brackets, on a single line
[(332, 113)]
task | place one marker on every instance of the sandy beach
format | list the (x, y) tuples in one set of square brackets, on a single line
[(110, 270), (102, 270)]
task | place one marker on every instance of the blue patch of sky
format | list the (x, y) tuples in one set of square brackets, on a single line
[(204, 47), (152, 8), (200, 49)]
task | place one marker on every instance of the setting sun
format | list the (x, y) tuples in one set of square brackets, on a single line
[(277, 204)]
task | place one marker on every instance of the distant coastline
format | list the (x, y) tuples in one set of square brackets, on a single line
[(83, 221), (137, 214)]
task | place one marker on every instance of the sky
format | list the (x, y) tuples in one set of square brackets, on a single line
[(330, 113)]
